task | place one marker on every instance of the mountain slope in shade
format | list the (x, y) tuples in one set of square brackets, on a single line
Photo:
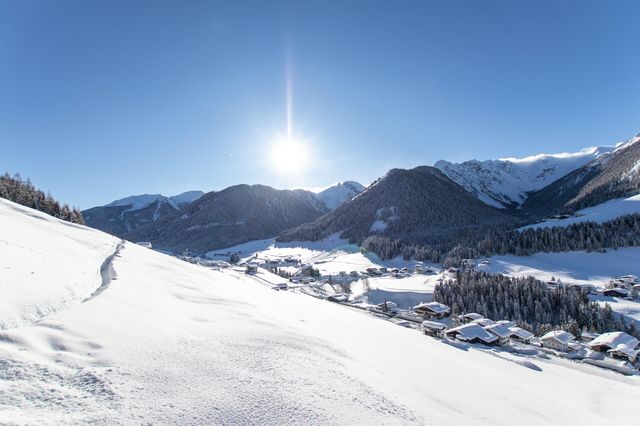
[(613, 175), (417, 205), (506, 182), (232, 216), (127, 214), (339, 193)]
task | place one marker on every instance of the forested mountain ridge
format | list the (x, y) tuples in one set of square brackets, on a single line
[(419, 205), (124, 215), (25, 193), (232, 216)]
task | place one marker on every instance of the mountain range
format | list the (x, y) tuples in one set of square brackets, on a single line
[(421, 205)]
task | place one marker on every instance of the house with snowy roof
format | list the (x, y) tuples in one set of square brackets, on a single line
[(520, 334), (617, 344), (485, 322), (502, 331), (472, 316), (433, 328), (472, 333), (616, 292), (558, 339), (432, 310)]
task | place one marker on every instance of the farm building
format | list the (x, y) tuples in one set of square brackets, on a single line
[(432, 310), (616, 292), (617, 344), (472, 333), (558, 339), (433, 328)]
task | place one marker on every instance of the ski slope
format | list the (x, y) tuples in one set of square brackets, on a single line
[(601, 213), (170, 342)]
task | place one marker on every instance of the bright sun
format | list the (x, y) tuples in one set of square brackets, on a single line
[(289, 156)]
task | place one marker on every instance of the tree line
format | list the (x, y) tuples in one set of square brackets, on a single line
[(530, 303), (14, 188), (623, 231)]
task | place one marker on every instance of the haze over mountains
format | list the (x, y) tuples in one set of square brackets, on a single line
[(423, 205)]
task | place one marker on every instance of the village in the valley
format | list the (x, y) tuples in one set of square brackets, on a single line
[(401, 292)]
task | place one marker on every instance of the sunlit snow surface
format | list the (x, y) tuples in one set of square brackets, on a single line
[(599, 214), (171, 342)]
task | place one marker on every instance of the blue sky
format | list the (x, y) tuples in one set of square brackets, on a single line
[(99, 100)]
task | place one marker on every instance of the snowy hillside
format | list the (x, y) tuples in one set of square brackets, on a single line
[(339, 193), (170, 342), (600, 213), (46, 264), (505, 182)]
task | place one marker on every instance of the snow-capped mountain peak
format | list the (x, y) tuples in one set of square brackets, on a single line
[(337, 194), (507, 181)]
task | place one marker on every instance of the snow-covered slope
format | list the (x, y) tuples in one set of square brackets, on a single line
[(46, 264), (601, 213), (337, 194), (169, 342), (506, 182)]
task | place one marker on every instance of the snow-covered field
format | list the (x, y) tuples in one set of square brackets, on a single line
[(171, 342), (571, 267), (600, 213), (405, 292)]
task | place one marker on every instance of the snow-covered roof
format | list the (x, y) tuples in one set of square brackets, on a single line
[(473, 331), (472, 316), (521, 333), (619, 290), (559, 335), (506, 323), (432, 306), (499, 330), (631, 353), (433, 325), (485, 322), (614, 339)]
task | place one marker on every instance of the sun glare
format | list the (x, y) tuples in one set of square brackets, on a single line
[(289, 156)]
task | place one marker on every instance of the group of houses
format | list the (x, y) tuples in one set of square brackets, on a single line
[(616, 344), (475, 328), (472, 327), (624, 286)]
